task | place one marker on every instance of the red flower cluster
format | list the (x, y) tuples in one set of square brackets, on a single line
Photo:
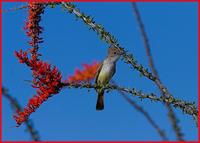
[(47, 81), (87, 74), (32, 27), (46, 78)]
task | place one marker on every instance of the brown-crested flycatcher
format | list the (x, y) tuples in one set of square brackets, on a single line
[(105, 73)]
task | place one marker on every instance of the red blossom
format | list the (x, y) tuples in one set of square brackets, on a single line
[(47, 81), (32, 27), (87, 74)]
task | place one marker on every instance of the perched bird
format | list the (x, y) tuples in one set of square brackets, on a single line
[(105, 72)]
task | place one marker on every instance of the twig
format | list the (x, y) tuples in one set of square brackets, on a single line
[(145, 113), (186, 107), (158, 82), (15, 8), (16, 106)]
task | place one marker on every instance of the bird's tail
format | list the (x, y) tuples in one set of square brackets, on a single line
[(100, 102)]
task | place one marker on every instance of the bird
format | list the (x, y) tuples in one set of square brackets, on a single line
[(105, 73)]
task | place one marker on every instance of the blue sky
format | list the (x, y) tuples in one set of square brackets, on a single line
[(71, 114)]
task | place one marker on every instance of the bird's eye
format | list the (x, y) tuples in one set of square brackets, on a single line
[(115, 53)]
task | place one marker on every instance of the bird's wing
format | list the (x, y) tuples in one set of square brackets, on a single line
[(114, 70), (98, 71)]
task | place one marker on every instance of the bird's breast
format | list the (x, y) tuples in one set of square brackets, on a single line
[(106, 73)]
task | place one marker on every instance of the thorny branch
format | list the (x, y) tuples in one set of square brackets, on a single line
[(16, 106), (163, 90), (186, 107)]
